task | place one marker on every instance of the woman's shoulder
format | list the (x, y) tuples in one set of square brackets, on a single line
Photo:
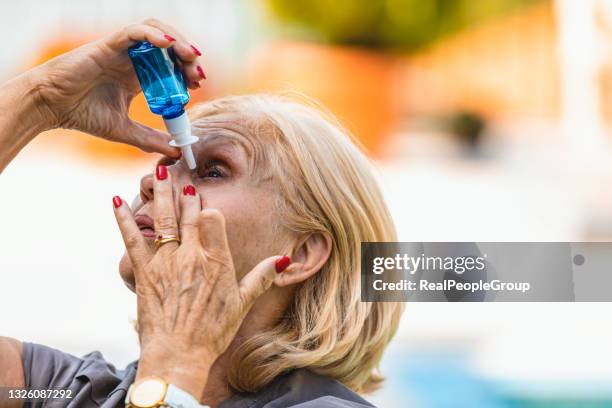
[(94, 382), (90, 380), (301, 389)]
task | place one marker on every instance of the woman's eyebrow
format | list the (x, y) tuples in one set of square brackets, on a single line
[(228, 142), (223, 136), (230, 133)]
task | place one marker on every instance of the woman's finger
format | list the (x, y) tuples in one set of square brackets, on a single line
[(187, 53), (134, 33), (258, 281), (190, 211), (164, 215), (185, 50), (135, 244), (213, 236), (163, 36), (145, 138), (194, 73)]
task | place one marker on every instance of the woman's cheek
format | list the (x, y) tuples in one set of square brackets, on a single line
[(250, 242)]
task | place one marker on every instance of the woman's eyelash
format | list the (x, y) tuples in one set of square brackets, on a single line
[(210, 169), (213, 172)]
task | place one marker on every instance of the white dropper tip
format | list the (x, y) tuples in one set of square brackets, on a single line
[(188, 156), (180, 130)]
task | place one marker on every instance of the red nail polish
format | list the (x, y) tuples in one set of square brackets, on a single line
[(201, 72), (197, 52), (189, 190), (169, 37), (282, 264), (161, 172), (117, 201)]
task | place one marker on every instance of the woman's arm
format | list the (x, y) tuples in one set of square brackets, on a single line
[(11, 370), (22, 116), (190, 303), (90, 89), (87, 89)]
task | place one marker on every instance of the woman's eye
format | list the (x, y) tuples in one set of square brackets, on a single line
[(212, 173), (211, 170)]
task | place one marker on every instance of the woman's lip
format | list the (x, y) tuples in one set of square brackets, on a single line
[(145, 225)]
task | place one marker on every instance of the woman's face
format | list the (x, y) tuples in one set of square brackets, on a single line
[(227, 180)]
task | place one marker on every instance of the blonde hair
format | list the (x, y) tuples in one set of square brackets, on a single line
[(325, 184)]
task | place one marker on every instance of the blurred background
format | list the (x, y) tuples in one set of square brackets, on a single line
[(487, 121)]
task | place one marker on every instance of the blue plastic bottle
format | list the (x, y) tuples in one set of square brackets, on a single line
[(164, 88)]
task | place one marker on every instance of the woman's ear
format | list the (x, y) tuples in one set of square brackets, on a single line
[(307, 259)]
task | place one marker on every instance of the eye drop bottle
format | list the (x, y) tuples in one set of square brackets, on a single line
[(164, 88)]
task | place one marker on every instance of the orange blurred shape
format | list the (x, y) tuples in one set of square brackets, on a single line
[(60, 46), (505, 68), (99, 149), (353, 83)]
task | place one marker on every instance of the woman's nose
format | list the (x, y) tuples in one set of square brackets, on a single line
[(146, 188), (178, 181)]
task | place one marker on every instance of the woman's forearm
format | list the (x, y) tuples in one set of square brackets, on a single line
[(188, 372), (22, 116)]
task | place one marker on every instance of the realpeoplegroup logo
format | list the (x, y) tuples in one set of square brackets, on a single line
[(486, 271)]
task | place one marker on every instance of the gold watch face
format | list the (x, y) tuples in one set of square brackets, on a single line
[(148, 392)]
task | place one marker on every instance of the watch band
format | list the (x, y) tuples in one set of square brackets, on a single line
[(174, 398), (177, 398)]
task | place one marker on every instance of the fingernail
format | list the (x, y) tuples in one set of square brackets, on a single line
[(117, 201), (161, 172), (282, 264), (197, 52), (189, 190), (201, 72), (169, 37)]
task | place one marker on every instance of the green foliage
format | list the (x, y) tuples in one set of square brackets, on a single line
[(398, 24)]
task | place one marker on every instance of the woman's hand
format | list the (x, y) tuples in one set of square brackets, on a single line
[(190, 304), (90, 88)]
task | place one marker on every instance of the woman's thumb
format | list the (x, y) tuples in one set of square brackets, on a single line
[(260, 279)]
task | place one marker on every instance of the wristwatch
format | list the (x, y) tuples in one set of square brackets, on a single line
[(153, 392)]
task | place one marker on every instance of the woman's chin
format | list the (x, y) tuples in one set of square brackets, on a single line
[(126, 272)]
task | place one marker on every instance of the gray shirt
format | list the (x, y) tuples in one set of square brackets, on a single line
[(96, 383)]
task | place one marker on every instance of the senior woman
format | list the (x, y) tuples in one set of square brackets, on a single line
[(252, 296)]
